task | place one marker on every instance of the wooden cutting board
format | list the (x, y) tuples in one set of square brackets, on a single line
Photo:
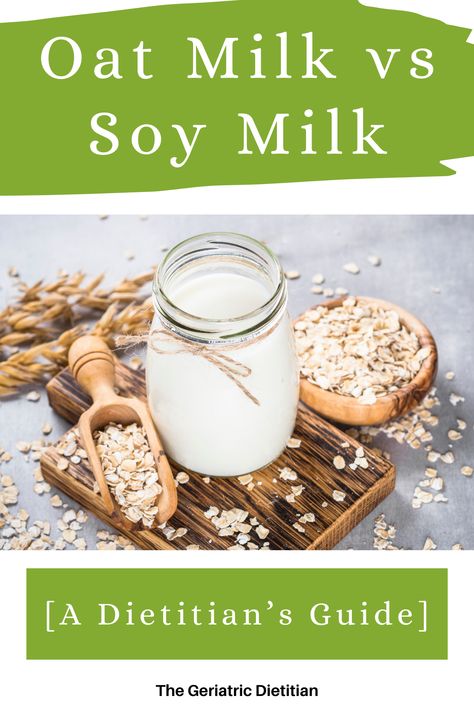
[(364, 489)]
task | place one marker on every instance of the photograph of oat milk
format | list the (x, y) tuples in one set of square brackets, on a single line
[(236, 382)]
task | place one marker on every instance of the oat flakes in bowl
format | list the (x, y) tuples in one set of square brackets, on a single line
[(363, 361)]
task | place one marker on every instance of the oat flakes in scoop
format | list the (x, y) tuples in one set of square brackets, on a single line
[(129, 469)]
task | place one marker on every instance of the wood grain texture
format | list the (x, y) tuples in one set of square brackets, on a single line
[(347, 410), (313, 461)]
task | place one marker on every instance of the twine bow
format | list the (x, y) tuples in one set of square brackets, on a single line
[(231, 368)]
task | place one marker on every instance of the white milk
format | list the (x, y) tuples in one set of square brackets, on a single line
[(220, 296), (206, 422)]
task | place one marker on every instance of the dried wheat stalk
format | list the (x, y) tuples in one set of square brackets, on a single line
[(42, 310), (46, 318)]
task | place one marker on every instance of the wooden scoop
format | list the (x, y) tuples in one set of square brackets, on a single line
[(92, 364)]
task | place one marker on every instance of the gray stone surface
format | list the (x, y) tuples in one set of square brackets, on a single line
[(419, 254)]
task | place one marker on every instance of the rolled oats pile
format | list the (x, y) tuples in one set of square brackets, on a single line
[(129, 469), (357, 349)]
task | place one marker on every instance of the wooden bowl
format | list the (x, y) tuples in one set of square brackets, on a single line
[(347, 409)]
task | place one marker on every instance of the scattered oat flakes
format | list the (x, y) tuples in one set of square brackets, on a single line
[(41, 487), (243, 527), (384, 534), (81, 516), (421, 497), (338, 495), (318, 279), (292, 274), (467, 471), (297, 490), (182, 477), (455, 399), (450, 375), (374, 260), (62, 464), (288, 474), (23, 447), (262, 532), (448, 458), (298, 527), (33, 396), (293, 443), (234, 523), (429, 545), (339, 462), (351, 268), (69, 535), (69, 516)]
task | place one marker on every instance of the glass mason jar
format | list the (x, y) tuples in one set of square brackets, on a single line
[(222, 372)]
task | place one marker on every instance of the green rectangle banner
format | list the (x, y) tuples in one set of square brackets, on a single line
[(237, 613), (231, 93)]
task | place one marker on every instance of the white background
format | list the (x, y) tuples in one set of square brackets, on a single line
[(126, 685), (358, 685)]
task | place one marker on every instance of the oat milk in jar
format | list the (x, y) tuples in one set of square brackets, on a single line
[(222, 374)]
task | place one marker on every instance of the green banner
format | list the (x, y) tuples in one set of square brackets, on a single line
[(237, 614), (238, 92)]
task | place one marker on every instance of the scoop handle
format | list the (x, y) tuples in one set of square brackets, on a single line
[(92, 364)]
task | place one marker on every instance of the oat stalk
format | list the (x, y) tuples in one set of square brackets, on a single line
[(39, 326)]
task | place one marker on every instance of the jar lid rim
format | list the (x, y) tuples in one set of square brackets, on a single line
[(166, 307)]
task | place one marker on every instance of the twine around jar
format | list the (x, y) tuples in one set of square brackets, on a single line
[(230, 367)]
